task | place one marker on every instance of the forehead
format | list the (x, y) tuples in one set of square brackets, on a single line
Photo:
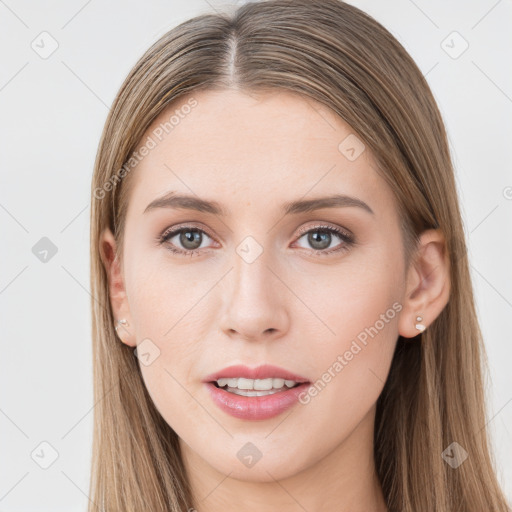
[(231, 145)]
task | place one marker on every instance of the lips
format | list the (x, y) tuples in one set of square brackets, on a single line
[(260, 372), (255, 407), (258, 407)]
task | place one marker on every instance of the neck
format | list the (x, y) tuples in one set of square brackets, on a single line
[(344, 480)]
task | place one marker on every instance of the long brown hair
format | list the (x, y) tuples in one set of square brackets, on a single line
[(337, 55)]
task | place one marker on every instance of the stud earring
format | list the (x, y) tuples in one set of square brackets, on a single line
[(419, 326), (121, 322)]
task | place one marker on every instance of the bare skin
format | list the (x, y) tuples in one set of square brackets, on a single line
[(291, 307)]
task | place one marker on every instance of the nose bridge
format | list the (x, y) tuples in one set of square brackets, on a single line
[(251, 273), (254, 300)]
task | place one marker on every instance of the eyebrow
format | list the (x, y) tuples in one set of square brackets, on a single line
[(188, 202)]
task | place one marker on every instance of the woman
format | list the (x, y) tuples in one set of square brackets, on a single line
[(283, 315)]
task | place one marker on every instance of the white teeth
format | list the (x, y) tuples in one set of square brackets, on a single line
[(245, 384), (256, 384), (263, 384), (277, 383), (232, 383)]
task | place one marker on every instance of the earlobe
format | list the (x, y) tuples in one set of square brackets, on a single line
[(427, 286), (123, 332), (116, 288)]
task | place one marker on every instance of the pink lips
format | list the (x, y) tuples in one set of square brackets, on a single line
[(255, 407), (261, 372)]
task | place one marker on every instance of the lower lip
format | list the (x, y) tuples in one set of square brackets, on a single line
[(255, 407)]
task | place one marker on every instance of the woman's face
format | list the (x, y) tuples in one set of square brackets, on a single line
[(265, 283)]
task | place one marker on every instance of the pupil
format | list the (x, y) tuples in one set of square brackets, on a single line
[(313, 239), (189, 239)]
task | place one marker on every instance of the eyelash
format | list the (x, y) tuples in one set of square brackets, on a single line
[(348, 239)]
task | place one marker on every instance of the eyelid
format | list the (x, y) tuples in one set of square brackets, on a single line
[(326, 225), (185, 225)]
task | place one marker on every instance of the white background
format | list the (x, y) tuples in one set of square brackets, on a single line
[(52, 114)]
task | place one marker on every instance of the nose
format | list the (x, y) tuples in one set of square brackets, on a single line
[(255, 301)]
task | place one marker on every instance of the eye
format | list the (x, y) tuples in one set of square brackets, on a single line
[(190, 238), (321, 237)]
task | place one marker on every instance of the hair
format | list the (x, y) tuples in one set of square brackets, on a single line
[(339, 56)]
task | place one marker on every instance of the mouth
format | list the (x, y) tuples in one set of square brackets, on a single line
[(255, 393)]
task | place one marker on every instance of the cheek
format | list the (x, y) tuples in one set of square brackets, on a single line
[(357, 309), (168, 309), (169, 377), (162, 294)]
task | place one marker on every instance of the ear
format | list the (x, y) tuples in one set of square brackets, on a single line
[(428, 283), (116, 286)]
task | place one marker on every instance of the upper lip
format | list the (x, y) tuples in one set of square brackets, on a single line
[(260, 372)]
